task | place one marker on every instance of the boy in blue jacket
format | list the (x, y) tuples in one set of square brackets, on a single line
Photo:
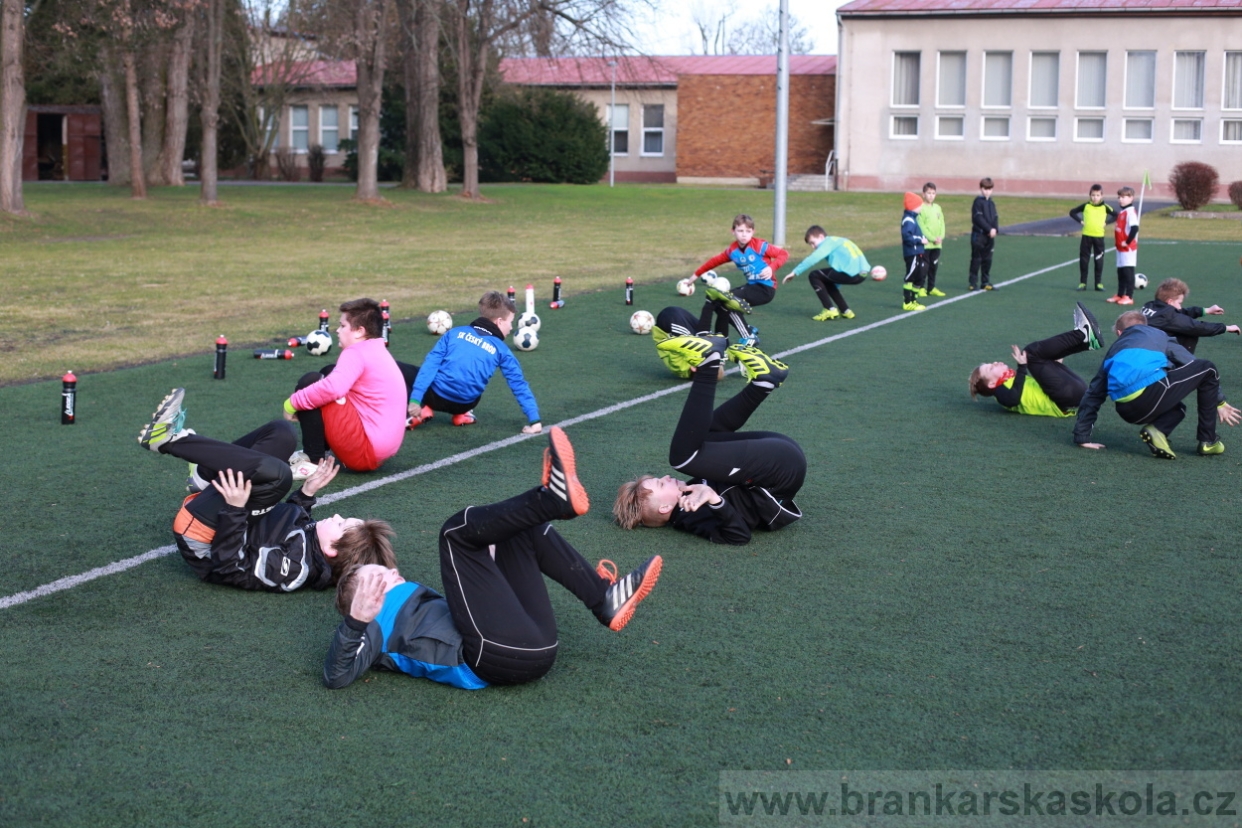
[(494, 624), (1147, 374), (456, 372), (913, 252)]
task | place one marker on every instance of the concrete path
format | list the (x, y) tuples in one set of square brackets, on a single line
[(1066, 226)]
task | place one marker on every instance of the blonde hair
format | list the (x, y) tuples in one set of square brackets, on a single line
[(1128, 320), (632, 507)]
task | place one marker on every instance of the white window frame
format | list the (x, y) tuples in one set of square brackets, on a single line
[(1078, 86), (1224, 81), (1173, 122), (918, 79), (960, 118), (1043, 116), (1103, 129), (965, 79), (983, 88), (642, 149), (612, 130), (1125, 81), (983, 119), (305, 130), (1221, 134), (1125, 140), (1030, 84), (892, 121), (353, 126), (1173, 97), (336, 129)]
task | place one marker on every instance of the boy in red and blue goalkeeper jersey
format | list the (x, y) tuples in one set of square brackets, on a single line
[(759, 260), (837, 261)]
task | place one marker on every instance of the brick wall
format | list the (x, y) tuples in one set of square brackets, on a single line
[(727, 124)]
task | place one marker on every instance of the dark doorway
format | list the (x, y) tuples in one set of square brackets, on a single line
[(51, 147)]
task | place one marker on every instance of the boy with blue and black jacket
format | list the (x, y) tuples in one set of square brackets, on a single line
[(912, 250), (456, 372), (1147, 374)]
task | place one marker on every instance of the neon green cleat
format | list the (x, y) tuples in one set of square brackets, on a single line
[(166, 423), (1158, 443), (658, 334), (826, 314), (1207, 449), (727, 300), (913, 306), (920, 293), (849, 314), (936, 292), (758, 366), (695, 350)]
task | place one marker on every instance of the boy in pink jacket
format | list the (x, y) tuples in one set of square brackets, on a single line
[(355, 408)]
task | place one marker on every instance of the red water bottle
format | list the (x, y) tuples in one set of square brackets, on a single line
[(386, 329), (296, 341), (272, 353), (323, 320), (557, 301), (629, 291), (222, 352), (68, 399), (512, 294)]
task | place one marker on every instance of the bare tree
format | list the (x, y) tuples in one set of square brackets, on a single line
[(420, 41), (209, 155), (370, 19), (177, 101), (759, 35), (12, 104)]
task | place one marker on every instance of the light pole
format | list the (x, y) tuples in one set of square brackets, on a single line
[(612, 115), (782, 126)]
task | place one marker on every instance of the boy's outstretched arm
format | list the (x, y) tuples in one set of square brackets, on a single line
[(512, 369), (715, 261)]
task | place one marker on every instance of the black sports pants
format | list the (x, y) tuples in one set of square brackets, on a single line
[(707, 443), (755, 294), (1091, 247), (676, 321), (499, 601), (1125, 281), (824, 283), (933, 265), (981, 247), (314, 440), (1161, 404), (1063, 386), (262, 457)]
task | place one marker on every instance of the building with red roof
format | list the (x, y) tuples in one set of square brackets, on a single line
[(1044, 96), (697, 119), (321, 107)]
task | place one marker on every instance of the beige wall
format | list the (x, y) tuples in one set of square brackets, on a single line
[(313, 100), (871, 159), (635, 165)]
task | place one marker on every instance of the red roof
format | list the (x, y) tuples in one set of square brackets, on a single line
[(652, 71), (339, 73), (920, 7)]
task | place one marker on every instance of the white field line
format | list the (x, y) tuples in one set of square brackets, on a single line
[(129, 563)]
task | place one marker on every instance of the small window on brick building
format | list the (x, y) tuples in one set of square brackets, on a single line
[(329, 128), (299, 128), (653, 129), (619, 119)]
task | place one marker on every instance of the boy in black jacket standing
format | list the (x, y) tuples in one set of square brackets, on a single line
[(1167, 313), (741, 480), (234, 530), (984, 225)]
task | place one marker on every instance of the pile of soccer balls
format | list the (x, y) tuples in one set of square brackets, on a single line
[(526, 331)]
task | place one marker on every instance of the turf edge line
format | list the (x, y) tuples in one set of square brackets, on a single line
[(71, 581)]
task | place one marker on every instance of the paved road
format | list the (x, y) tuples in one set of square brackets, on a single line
[(1066, 226)]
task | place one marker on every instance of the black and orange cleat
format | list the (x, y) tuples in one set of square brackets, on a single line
[(560, 476), (624, 594)]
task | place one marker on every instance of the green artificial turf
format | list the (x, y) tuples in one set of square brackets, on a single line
[(966, 590)]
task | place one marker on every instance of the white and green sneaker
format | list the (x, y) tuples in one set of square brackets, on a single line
[(1085, 322), (167, 423)]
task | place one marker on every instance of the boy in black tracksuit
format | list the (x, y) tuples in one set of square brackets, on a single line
[(741, 480), (494, 624), (1167, 313), (984, 225), (234, 530)]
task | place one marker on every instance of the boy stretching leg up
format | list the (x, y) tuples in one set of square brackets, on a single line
[(741, 480), (494, 624)]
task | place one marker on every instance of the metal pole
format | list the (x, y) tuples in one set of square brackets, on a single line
[(782, 125), (612, 116)]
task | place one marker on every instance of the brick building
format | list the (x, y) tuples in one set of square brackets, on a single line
[(701, 119)]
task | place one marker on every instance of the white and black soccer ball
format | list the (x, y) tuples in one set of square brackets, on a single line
[(641, 322), (720, 283), (529, 319), (526, 339), (318, 342), (438, 322), (1140, 280), (685, 287)]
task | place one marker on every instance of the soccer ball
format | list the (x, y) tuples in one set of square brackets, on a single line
[(529, 319), (686, 287), (642, 322), (878, 273), (318, 342), (1140, 280), (438, 322), (526, 339), (720, 283)]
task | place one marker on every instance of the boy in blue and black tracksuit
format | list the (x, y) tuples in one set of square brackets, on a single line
[(494, 624), (1147, 374), (912, 251), (456, 371)]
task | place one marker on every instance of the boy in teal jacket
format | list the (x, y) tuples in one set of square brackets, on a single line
[(836, 261)]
